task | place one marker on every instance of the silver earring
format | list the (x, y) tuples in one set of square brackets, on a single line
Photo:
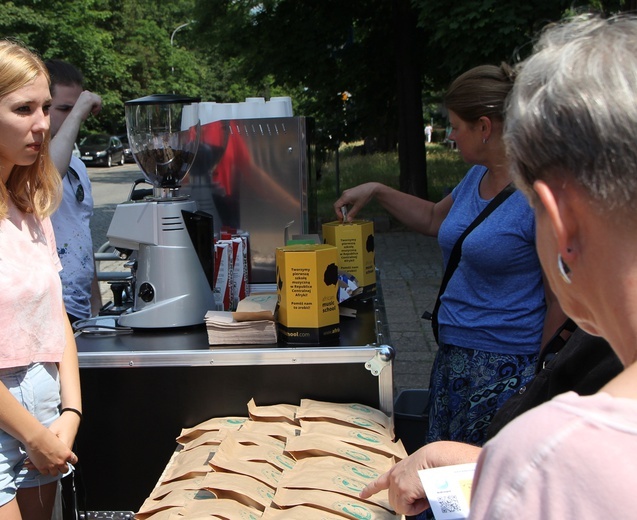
[(564, 269), (485, 141)]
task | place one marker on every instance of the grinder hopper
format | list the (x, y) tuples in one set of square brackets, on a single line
[(173, 271)]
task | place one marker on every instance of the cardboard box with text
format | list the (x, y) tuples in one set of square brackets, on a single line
[(356, 256), (307, 278)]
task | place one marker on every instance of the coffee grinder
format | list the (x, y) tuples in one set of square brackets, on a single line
[(172, 282)]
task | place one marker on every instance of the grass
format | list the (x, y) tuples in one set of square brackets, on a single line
[(445, 168)]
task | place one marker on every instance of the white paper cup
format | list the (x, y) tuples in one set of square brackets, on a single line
[(247, 110), (286, 101)]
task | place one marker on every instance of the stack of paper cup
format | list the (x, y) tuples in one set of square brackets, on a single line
[(247, 110), (210, 111), (189, 116), (284, 104), (251, 108)]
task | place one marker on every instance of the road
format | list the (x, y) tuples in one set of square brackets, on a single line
[(110, 186)]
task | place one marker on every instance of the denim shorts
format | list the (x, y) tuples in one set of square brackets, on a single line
[(37, 388)]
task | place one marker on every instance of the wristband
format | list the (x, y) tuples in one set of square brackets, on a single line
[(73, 410)]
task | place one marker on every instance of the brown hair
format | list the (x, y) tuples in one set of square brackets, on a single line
[(481, 91), (35, 188)]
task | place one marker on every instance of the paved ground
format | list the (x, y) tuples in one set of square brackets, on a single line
[(410, 269)]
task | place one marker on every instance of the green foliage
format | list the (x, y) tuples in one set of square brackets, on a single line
[(445, 169), (461, 35), (123, 48), (314, 51)]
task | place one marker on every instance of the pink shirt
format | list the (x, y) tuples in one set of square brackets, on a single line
[(31, 310), (573, 457)]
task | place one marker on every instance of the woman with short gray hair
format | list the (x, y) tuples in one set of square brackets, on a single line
[(570, 133)]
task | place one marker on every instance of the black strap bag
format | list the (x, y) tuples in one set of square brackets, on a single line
[(582, 364), (456, 252)]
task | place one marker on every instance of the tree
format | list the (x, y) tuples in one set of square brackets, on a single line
[(122, 47), (461, 35), (346, 62)]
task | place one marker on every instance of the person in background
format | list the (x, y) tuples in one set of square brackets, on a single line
[(574, 456), (428, 132), (496, 312), (70, 107), (38, 357)]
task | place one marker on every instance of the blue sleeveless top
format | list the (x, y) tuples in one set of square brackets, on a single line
[(495, 299)]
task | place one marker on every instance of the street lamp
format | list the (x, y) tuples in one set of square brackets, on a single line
[(172, 36), (172, 39)]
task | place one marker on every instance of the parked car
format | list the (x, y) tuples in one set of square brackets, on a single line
[(102, 149), (128, 154)]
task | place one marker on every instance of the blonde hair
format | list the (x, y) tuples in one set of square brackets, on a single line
[(35, 188)]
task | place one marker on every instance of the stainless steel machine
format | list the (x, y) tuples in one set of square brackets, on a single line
[(257, 175), (173, 241)]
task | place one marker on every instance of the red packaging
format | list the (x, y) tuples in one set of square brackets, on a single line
[(223, 276)]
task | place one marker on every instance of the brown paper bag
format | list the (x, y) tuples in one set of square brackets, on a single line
[(171, 513), (262, 471), (221, 508), (189, 464), (190, 484), (177, 498), (213, 437), (235, 450), (241, 488), (344, 505), (356, 436), (334, 474), (299, 512), (354, 414), (273, 413), (256, 439), (278, 430), (214, 424), (317, 445)]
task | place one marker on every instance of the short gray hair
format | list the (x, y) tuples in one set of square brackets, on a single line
[(573, 109)]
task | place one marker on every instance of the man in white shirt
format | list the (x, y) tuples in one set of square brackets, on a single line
[(70, 107)]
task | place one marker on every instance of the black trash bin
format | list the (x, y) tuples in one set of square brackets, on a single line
[(411, 419)]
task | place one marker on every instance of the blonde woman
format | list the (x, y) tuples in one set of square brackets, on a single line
[(40, 402)]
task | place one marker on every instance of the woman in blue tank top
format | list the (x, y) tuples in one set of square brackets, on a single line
[(496, 311)]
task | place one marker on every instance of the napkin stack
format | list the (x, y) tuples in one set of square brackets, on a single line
[(252, 323)]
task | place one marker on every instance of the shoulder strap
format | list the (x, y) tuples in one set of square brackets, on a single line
[(456, 252)]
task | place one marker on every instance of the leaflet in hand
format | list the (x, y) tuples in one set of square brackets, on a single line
[(448, 490)]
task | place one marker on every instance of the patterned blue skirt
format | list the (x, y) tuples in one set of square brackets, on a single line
[(467, 387)]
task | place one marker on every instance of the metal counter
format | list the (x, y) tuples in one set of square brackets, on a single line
[(139, 390)]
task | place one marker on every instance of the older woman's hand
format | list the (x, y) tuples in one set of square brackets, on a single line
[(406, 494)]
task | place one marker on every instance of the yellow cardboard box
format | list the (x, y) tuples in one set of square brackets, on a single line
[(356, 251), (307, 284)]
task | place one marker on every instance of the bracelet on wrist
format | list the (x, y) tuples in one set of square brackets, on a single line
[(72, 410)]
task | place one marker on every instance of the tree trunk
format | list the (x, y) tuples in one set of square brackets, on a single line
[(411, 139)]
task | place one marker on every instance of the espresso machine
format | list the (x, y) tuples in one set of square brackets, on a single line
[(171, 241)]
